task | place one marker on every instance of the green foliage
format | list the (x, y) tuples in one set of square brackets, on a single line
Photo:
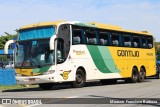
[(157, 43), (5, 38), (157, 50)]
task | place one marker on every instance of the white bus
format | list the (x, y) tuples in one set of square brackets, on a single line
[(74, 52)]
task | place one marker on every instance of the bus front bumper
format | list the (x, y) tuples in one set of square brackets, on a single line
[(35, 79)]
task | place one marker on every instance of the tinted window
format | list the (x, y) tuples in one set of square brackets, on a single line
[(127, 40), (115, 39), (90, 36), (144, 42), (103, 38), (149, 42), (136, 41), (76, 35)]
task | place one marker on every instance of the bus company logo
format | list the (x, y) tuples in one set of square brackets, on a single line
[(79, 52), (128, 53), (65, 74)]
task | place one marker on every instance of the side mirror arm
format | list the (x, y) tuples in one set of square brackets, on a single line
[(7, 45)]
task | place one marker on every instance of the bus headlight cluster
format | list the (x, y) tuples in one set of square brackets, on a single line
[(18, 75), (49, 72)]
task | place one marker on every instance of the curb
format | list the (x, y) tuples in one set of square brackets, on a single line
[(1, 91)]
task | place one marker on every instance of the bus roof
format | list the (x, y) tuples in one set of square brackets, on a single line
[(90, 24), (41, 24), (117, 28)]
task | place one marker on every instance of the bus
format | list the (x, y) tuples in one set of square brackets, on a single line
[(74, 52)]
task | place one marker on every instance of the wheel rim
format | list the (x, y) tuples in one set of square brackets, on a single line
[(79, 79), (135, 77), (142, 75)]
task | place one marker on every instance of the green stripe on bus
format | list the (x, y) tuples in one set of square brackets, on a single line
[(85, 25), (98, 59), (41, 70), (107, 57), (102, 59)]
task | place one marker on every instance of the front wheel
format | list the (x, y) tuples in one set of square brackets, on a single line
[(80, 79), (46, 86)]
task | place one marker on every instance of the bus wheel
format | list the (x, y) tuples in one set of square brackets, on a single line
[(134, 77), (108, 81), (46, 86), (80, 79), (141, 75)]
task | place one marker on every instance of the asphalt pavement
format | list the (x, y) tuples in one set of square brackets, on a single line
[(93, 94)]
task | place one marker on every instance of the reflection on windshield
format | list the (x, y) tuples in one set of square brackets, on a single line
[(33, 53)]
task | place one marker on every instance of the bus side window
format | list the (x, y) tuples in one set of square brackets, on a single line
[(136, 41), (149, 42), (90, 36), (115, 38), (76, 36), (103, 38), (144, 42), (127, 40)]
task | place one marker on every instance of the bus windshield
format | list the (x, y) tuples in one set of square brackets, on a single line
[(33, 54)]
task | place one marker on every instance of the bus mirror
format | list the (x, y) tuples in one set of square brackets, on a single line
[(6, 46)]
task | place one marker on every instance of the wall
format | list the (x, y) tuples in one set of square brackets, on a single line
[(7, 77)]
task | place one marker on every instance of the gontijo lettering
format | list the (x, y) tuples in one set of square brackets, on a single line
[(128, 53)]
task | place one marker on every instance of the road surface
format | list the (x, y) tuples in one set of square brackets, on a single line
[(93, 92)]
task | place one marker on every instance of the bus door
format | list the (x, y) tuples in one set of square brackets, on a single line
[(64, 66)]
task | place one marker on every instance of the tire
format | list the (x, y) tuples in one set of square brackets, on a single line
[(46, 86), (134, 77), (108, 81), (141, 75), (80, 79)]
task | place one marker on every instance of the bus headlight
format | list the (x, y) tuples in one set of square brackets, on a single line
[(49, 72), (18, 75)]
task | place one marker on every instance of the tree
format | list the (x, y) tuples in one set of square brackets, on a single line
[(5, 38), (157, 50)]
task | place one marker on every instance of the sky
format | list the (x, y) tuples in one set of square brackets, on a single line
[(140, 15)]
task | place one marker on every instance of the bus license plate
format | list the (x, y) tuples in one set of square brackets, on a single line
[(32, 79)]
